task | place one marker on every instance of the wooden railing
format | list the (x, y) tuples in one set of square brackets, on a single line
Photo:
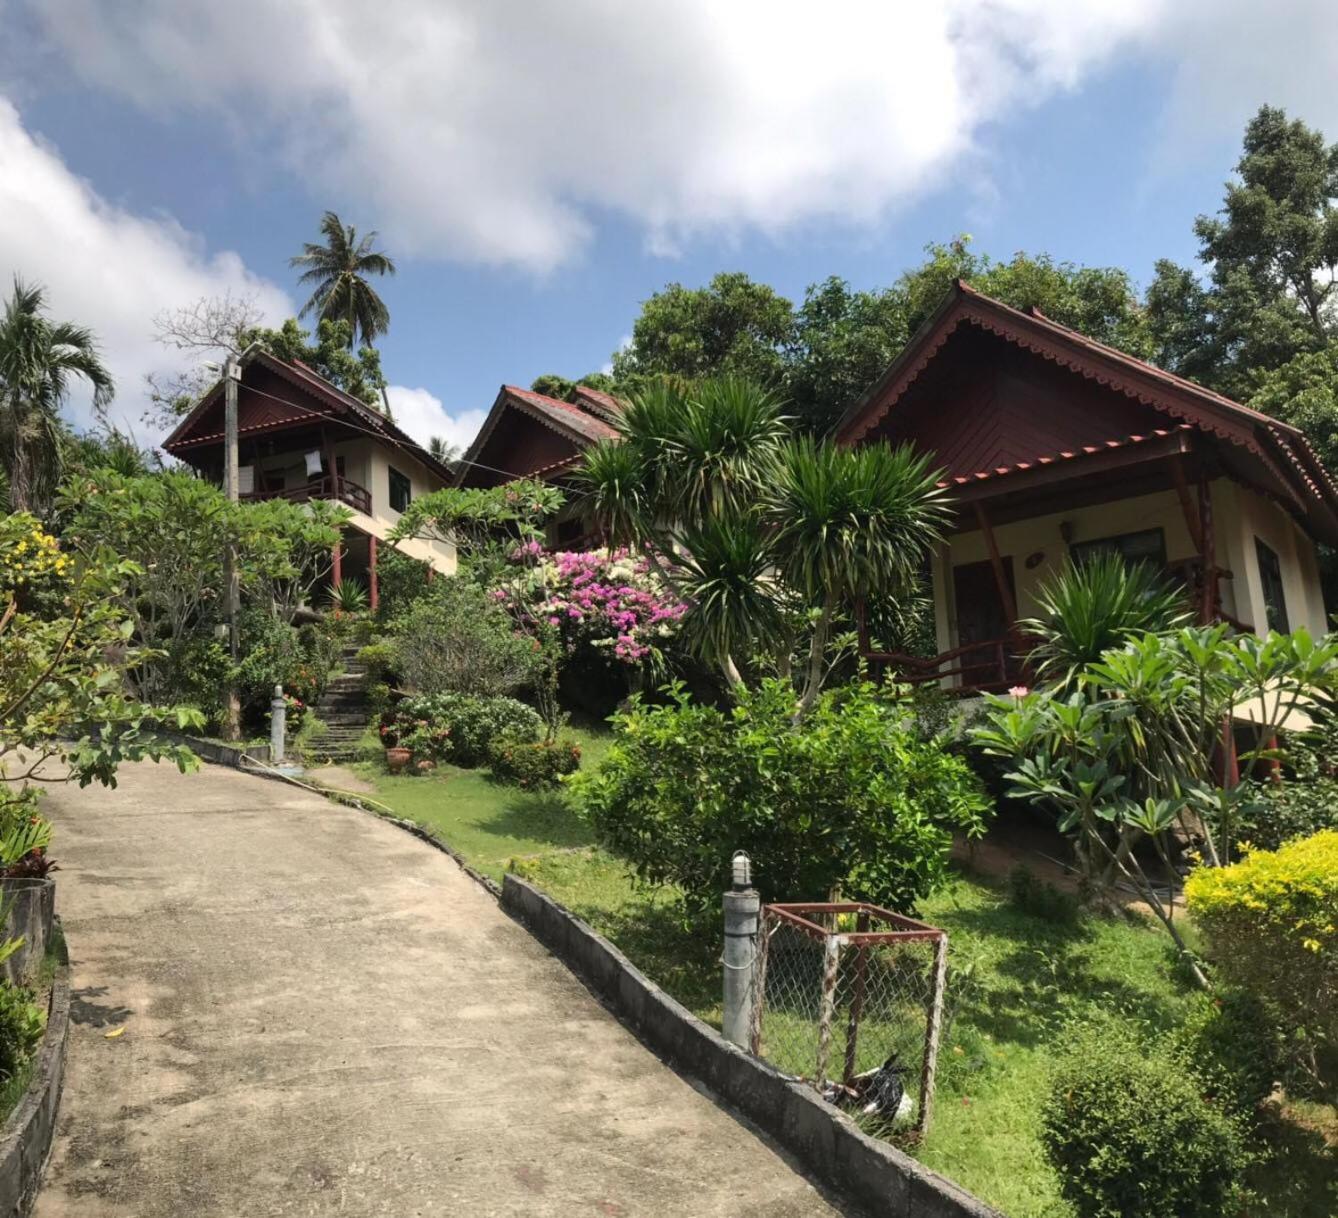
[(338, 487), (990, 666)]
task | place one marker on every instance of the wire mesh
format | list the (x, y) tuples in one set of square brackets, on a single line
[(849, 997)]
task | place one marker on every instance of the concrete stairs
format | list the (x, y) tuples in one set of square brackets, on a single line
[(343, 710)]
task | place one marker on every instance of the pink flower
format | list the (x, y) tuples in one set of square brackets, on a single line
[(1018, 691)]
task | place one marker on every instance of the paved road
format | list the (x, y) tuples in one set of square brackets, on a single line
[(325, 1016)]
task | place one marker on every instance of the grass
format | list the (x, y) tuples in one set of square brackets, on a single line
[(1016, 979)]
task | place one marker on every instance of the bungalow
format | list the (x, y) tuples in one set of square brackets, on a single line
[(302, 438), (1056, 447), (531, 435)]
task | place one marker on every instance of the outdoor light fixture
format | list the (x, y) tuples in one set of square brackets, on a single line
[(743, 871)]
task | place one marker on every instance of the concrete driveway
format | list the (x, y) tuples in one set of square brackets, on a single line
[(324, 1015)]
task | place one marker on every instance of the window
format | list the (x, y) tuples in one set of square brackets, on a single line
[(1270, 575), (1148, 545), (400, 490)]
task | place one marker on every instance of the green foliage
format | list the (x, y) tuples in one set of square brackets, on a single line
[(401, 581), (1272, 251), (533, 764), (1131, 1135), (1229, 1042), (357, 373), (22, 1022), (1272, 923), (39, 359), (554, 386), (459, 728), (765, 537), (380, 659), (349, 596), (1089, 607), (1041, 899), (732, 326), (175, 528), (460, 640), (62, 681), (483, 523), (275, 653), (848, 801)]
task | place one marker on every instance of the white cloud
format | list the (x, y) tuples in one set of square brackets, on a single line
[(496, 132), (422, 415), (105, 267), (504, 132)]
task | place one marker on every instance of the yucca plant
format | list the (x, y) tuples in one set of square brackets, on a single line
[(348, 596), (763, 535), (1089, 607)]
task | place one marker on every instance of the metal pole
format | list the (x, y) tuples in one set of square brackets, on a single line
[(232, 373), (742, 905), (278, 725)]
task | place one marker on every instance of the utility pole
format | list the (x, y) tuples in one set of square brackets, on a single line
[(232, 375)]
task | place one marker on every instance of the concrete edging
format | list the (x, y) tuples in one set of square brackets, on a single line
[(235, 755), (25, 1141), (878, 1176)]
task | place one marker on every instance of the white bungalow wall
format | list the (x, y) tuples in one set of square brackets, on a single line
[(1239, 516)]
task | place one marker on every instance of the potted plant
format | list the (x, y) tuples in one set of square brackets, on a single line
[(397, 755)]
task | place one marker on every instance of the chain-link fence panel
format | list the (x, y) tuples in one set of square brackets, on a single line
[(849, 998)]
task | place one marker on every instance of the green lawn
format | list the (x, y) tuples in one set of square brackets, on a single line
[(1017, 978)]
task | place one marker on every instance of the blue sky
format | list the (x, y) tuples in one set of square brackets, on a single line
[(534, 190)]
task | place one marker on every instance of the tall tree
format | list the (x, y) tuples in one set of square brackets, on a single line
[(339, 271), (733, 326), (38, 360), (1272, 254)]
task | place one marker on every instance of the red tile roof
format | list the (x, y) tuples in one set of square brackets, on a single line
[(1087, 450), (565, 413)]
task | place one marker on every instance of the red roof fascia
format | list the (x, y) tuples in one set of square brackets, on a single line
[(1087, 450)]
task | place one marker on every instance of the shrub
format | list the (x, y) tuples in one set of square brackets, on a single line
[(1272, 922), (276, 653), (21, 1024), (1040, 898), (1228, 1040), (849, 800), (457, 727), (1305, 803), (461, 641), (533, 763), (1130, 1135), (400, 581), (380, 660)]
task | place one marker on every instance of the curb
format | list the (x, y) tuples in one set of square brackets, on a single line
[(25, 1141), (826, 1142)]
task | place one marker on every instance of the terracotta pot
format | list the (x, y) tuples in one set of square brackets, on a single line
[(397, 759)]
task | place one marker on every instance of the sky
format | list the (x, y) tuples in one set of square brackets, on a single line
[(538, 169)]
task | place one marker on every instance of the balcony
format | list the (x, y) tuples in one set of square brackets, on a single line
[(338, 488)]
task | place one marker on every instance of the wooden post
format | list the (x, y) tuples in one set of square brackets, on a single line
[(856, 1004), (1208, 555), (331, 470), (831, 961), (373, 589), (1000, 575), (336, 570), (768, 928), (1186, 503), (934, 1034)]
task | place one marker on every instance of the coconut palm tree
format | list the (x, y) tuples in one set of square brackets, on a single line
[(339, 271), (38, 359), (443, 450)]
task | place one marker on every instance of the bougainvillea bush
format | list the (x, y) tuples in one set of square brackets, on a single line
[(609, 599)]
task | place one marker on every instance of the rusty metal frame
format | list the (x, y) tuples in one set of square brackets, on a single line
[(834, 943), (909, 928)]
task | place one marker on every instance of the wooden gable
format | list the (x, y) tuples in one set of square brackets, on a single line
[(985, 405), (518, 445)]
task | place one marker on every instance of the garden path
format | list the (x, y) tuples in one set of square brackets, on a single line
[(323, 1015)]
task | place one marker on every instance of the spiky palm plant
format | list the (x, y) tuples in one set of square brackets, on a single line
[(1089, 607), (38, 360), (339, 271)]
